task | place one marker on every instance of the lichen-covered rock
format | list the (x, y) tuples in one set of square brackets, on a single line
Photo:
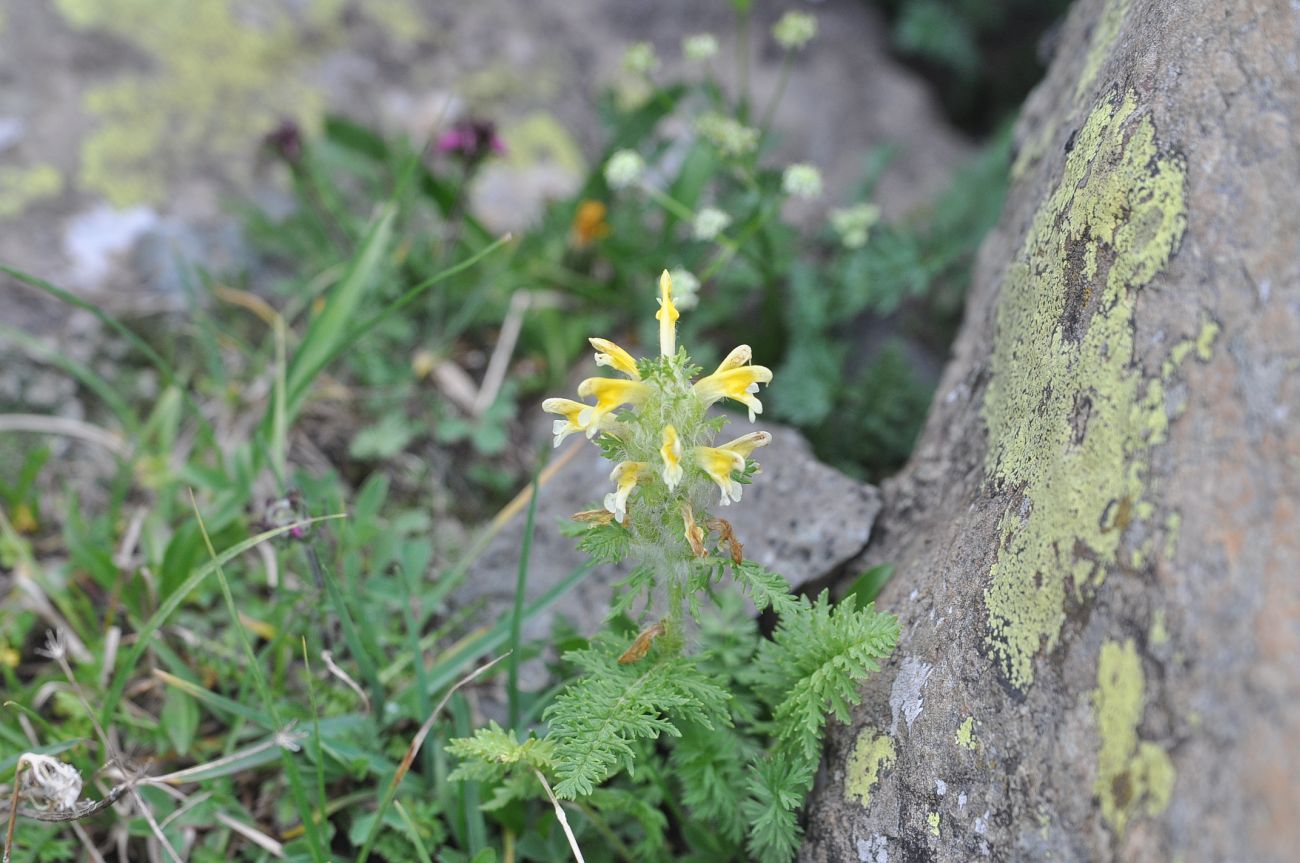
[(1096, 541)]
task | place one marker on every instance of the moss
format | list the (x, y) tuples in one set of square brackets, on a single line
[(1134, 777), (933, 820), (871, 754), (966, 734), (1099, 45), (1070, 415), (22, 186)]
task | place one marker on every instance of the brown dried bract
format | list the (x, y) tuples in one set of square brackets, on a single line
[(641, 644), (694, 533), (594, 516), (725, 534)]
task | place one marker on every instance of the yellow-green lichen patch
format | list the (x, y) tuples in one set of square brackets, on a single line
[(1103, 37), (221, 73), (1158, 635), (933, 820), (1134, 777), (22, 186), (966, 734), (871, 754), (1069, 414)]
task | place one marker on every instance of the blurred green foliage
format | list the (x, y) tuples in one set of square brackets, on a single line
[(982, 56)]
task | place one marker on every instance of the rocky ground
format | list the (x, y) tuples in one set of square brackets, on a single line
[(130, 128)]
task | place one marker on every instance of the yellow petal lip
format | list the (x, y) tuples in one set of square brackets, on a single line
[(610, 394), (671, 453), (611, 355), (572, 413), (625, 476), (667, 316), (738, 383), (747, 443), (719, 464)]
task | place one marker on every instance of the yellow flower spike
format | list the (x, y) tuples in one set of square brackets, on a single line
[(610, 394), (610, 354), (747, 443), (625, 476), (719, 464), (694, 533), (571, 411), (739, 383), (671, 453), (667, 317), (739, 356)]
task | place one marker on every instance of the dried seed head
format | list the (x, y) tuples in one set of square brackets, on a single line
[(49, 784)]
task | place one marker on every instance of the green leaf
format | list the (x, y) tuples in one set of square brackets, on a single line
[(383, 439), (179, 719)]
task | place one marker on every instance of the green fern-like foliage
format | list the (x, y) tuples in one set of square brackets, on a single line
[(814, 664), (493, 753), (596, 721)]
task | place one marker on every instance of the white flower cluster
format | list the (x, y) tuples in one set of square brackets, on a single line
[(728, 134), (854, 224), (802, 181), (625, 168), (641, 58), (709, 222), (700, 47), (794, 30)]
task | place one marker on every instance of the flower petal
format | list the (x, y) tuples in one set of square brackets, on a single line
[(610, 394), (610, 354), (667, 317), (671, 453)]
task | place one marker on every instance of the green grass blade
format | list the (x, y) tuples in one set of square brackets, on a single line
[(369, 671), (173, 601), (327, 334), (517, 615)]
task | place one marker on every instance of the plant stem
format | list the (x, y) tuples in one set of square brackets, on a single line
[(777, 95), (742, 55), (517, 615)]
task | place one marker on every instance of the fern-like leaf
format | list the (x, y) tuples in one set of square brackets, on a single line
[(767, 589), (777, 788), (494, 752), (814, 664), (596, 721)]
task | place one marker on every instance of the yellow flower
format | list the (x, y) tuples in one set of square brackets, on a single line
[(610, 354), (671, 452), (735, 379), (571, 411), (625, 476), (610, 394), (667, 317), (747, 443), (589, 223), (719, 464)]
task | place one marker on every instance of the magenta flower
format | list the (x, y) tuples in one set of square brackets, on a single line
[(471, 141)]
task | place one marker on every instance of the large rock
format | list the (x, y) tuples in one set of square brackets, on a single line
[(1098, 537)]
